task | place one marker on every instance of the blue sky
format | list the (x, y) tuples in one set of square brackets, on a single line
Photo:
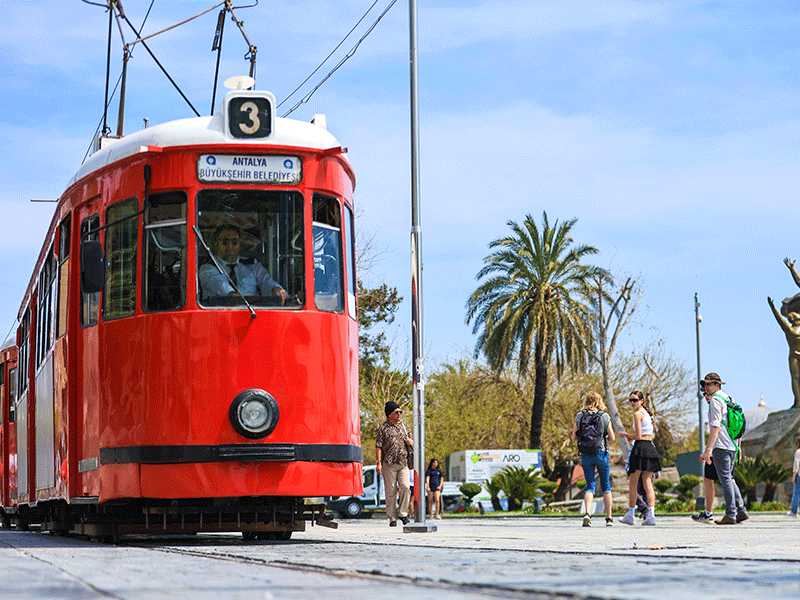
[(669, 129)]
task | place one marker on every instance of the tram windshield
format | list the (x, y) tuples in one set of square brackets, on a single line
[(251, 251)]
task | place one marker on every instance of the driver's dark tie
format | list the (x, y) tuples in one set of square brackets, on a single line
[(232, 269)]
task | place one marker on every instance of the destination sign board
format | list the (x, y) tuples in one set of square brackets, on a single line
[(243, 168)]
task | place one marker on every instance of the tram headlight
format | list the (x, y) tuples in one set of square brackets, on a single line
[(254, 414)]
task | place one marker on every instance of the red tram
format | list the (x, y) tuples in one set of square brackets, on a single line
[(187, 345)]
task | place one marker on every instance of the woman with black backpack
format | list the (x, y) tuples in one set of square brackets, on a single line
[(592, 431)]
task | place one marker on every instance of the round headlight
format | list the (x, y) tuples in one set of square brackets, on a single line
[(254, 414)]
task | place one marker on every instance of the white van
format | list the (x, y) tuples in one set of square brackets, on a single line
[(374, 496)]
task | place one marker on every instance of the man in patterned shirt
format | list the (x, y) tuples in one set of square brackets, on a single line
[(393, 445)]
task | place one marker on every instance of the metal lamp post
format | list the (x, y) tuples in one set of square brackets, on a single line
[(417, 359), (700, 399)]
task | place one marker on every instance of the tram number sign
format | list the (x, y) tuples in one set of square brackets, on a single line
[(249, 117)]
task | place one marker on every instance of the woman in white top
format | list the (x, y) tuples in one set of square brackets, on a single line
[(644, 460)]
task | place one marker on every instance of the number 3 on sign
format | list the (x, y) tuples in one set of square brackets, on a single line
[(254, 125), (249, 117)]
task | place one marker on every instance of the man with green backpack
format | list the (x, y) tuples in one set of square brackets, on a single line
[(721, 447)]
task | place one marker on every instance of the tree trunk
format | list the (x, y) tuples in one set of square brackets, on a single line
[(749, 496), (769, 492), (611, 403), (539, 397), (564, 472)]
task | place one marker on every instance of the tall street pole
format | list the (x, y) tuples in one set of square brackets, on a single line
[(417, 359), (700, 399)]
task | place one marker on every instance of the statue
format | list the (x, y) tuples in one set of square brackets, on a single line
[(790, 309)]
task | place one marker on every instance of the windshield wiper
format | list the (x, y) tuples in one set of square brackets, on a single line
[(223, 271)]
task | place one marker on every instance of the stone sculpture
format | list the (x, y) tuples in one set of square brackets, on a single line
[(789, 320)]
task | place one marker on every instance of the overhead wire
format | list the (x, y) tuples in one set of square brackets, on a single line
[(302, 101), (349, 55), (282, 102), (103, 122)]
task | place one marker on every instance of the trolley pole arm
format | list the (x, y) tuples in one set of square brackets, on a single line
[(251, 49)]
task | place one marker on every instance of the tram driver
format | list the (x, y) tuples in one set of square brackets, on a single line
[(250, 276)]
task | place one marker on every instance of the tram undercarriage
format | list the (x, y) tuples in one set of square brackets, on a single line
[(266, 518)]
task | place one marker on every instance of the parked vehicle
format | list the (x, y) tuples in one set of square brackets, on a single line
[(374, 496)]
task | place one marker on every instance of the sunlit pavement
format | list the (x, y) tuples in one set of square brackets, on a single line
[(536, 557)]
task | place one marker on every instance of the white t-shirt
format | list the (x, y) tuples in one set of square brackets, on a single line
[(718, 417)]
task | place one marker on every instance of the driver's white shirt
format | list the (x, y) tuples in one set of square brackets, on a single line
[(252, 279)]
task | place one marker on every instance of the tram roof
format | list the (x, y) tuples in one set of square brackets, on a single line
[(10, 342), (200, 131)]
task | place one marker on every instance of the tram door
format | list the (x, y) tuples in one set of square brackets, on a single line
[(84, 449), (8, 372), (43, 365), (23, 342)]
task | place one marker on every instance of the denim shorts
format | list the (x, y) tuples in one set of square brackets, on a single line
[(600, 462)]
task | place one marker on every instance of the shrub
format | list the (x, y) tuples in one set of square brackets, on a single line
[(519, 485), (686, 486), (747, 475), (773, 474), (662, 485), (675, 506), (470, 490), (548, 489), (769, 506), (494, 488)]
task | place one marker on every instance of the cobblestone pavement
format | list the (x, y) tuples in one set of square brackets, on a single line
[(465, 558)]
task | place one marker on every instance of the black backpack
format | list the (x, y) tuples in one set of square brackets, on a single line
[(590, 432)]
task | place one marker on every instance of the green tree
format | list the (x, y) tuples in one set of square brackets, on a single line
[(747, 475), (536, 283), (471, 406), (376, 309), (773, 474), (608, 311), (378, 381), (494, 486), (519, 485)]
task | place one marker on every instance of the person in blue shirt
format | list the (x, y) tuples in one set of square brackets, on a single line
[(250, 277), (433, 483)]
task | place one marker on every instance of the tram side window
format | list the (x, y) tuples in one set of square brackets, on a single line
[(24, 351), (350, 250), (12, 395), (44, 313), (165, 252), (119, 295), (89, 302), (327, 231), (64, 239), (256, 237)]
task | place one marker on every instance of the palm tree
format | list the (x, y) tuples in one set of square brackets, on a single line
[(747, 475), (773, 474), (523, 310)]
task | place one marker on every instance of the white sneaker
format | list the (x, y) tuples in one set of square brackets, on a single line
[(587, 520), (627, 519), (649, 520)]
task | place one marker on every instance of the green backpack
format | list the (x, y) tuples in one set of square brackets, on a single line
[(736, 424)]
